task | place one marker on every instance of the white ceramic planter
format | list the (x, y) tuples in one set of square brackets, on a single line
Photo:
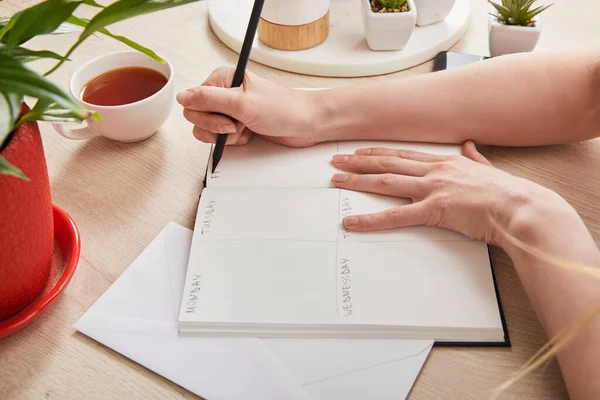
[(508, 39), (388, 31), (432, 11), (294, 12)]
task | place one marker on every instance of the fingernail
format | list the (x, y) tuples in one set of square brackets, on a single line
[(340, 158), (184, 98), (350, 221), (340, 178), (363, 151), (227, 128)]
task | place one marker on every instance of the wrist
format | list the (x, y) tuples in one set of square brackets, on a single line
[(541, 219), (322, 112), (334, 115)]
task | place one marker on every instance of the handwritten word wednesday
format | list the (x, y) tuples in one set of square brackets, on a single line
[(346, 287)]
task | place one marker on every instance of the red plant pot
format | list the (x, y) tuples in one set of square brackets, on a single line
[(26, 222)]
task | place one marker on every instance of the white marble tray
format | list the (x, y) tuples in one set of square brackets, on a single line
[(345, 52)]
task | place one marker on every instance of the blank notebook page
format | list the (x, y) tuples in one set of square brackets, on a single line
[(271, 258)]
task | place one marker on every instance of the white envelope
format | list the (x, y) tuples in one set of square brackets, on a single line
[(137, 317)]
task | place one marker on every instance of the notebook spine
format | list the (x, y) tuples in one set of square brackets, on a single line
[(206, 170)]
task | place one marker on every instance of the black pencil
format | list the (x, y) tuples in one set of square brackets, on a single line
[(240, 70)]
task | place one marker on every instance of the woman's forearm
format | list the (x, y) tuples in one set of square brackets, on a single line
[(520, 100), (561, 298)]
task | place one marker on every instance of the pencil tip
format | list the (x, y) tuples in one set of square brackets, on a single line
[(216, 158)]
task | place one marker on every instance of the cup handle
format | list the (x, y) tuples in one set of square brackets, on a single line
[(74, 134)]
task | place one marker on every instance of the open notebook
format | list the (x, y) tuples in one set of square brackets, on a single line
[(270, 258)]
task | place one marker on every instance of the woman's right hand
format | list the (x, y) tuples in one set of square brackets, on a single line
[(259, 107)]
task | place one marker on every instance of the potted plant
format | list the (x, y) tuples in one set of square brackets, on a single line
[(388, 24), (26, 219), (432, 11), (514, 26)]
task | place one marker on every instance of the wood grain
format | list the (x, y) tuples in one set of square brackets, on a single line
[(122, 196), (294, 37)]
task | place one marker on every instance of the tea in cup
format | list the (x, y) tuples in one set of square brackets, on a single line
[(132, 93)]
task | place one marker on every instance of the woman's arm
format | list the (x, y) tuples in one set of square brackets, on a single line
[(561, 298), (519, 100), (466, 194)]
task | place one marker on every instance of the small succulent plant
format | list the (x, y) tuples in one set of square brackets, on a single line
[(518, 12), (390, 4)]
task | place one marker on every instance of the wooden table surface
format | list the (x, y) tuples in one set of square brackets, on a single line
[(122, 196)]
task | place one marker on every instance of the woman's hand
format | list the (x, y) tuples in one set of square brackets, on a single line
[(462, 193), (279, 114)]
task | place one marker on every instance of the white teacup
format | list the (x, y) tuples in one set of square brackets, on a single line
[(128, 122)]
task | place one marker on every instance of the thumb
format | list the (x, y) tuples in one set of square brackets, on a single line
[(214, 100), (221, 77), (470, 151)]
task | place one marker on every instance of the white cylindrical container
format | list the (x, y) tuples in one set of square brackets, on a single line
[(294, 24), (294, 12)]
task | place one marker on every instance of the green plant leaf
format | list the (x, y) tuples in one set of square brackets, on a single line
[(53, 112), (134, 45), (75, 20), (531, 14), (517, 12), (39, 19), (7, 168), (13, 101), (523, 12), (38, 109), (92, 3), (498, 7), (118, 11), (25, 55), (391, 4), (10, 109), (502, 10), (20, 80), (528, 4), (498, 16), (49, 111), (6, 26)]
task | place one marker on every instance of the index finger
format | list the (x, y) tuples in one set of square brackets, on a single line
[(400, 217), (212, 99), (402, 153)]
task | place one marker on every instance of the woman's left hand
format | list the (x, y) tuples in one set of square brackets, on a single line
[(462, 193)]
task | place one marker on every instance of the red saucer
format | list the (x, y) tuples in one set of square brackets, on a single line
[(64, 262)]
